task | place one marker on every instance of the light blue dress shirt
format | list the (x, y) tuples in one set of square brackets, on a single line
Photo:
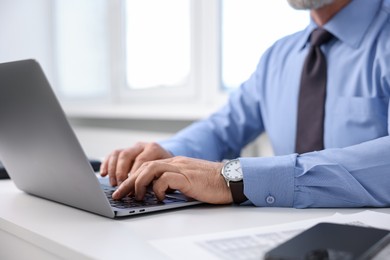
[(354, 168)]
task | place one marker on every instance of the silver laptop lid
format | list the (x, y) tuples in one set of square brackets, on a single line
[(37, 145)]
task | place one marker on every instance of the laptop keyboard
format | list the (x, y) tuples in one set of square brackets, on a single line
[(130, 202)]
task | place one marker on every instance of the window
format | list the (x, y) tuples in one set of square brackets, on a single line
[(249, 27), (81, 47), (163, 52), (157, 43)]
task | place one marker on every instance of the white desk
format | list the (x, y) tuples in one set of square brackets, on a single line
[(33, 228)]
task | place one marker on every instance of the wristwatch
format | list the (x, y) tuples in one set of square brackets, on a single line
[(233, 175)]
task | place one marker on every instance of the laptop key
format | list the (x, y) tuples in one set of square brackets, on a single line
[(130, 202)]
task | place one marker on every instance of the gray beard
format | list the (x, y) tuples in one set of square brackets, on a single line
[(309, 4)]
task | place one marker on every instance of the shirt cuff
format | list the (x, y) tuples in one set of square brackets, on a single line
[(269, 181)]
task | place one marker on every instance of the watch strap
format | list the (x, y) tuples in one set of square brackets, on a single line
[(237, 190)]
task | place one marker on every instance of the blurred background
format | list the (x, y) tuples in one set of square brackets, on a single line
[(140, 70)]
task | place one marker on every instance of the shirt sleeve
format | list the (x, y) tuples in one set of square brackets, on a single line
[(355, 176), (224, 133)]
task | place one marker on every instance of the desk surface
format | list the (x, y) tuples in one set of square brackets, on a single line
[(64, 232)]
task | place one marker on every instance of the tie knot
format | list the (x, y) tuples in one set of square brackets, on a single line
[(320, 36)]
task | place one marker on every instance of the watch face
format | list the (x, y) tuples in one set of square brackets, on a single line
[(232, 170)]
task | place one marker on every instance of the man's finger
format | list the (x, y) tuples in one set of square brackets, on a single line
[(147, 173), (123, 190), (112, 167), (137, 182), (127, 187), (139, 161), (103, 167), (170, 180), (125, 163), (151, 152)]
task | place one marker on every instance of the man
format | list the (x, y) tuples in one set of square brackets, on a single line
[(352, 169)]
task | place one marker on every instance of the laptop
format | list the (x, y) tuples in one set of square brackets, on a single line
[(42, 155)]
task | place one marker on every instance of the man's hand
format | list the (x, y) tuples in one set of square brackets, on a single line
[(120, 163), (198, 179)]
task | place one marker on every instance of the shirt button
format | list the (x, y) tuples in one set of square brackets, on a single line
[(270, 199)]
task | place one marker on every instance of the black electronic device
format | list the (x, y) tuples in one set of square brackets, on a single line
[(332, 242), (3, 172)]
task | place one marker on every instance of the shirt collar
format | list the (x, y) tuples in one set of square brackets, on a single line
[(306, 34), (350, 24)]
